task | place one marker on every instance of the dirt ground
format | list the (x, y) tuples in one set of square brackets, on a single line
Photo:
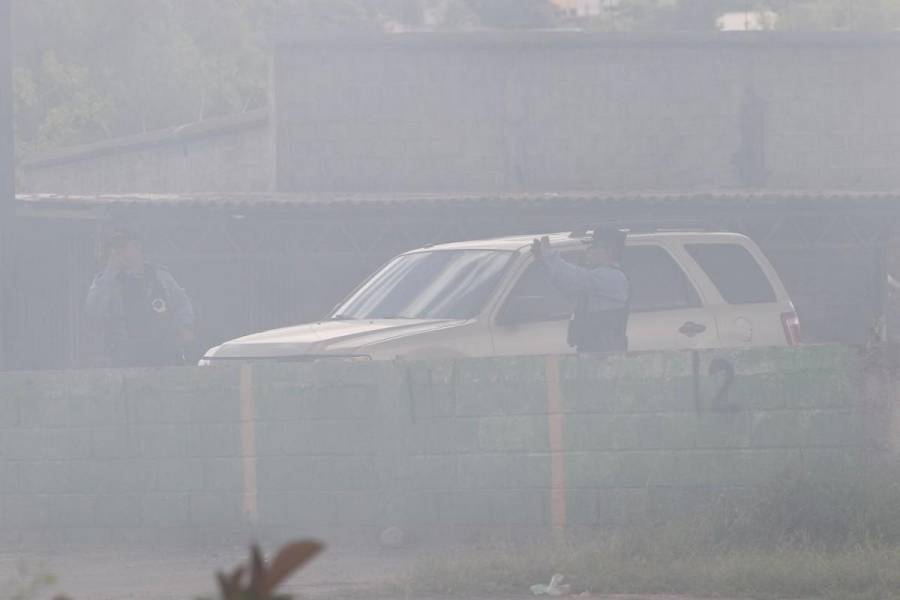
[(182, 575)]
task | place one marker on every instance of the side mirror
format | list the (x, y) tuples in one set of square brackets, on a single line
[(523, 309)]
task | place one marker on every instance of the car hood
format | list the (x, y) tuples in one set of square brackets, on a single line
[(339, 338)]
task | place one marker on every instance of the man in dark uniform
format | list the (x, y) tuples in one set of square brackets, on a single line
[(600, 289), (145, 317)]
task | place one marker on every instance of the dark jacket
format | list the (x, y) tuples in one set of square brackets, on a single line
[(140, 316), (600, 319)]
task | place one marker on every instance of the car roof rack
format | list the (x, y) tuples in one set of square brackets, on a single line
[(648, 226)]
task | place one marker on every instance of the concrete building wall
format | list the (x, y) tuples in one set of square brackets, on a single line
[(578, 111), (231, 154), (523, 443)]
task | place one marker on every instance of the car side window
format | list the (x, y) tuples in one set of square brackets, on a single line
[(544, 300), (734, 271), (657, 281)]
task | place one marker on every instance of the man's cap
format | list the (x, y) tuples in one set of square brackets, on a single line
[(610, 237), (119, 236)]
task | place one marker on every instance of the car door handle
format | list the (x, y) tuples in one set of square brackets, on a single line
[(691, 329)]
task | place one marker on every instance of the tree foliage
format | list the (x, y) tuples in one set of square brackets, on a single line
[(90, 69)]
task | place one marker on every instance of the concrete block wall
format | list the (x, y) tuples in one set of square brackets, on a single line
[(584, 441), (528, 443)]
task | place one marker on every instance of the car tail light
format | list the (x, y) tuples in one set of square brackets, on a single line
[(791, 323)]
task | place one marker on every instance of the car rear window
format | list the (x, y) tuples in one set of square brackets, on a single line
[(657, 282), (734, 271)]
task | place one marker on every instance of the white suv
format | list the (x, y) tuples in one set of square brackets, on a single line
[(489, 298)]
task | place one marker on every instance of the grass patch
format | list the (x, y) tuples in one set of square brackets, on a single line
[(860, 574), (797, 537)]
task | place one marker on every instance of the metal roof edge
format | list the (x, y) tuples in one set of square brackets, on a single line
[(578, 199), (562, 38)]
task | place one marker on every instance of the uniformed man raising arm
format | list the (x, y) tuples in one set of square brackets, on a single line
[(600, 289)]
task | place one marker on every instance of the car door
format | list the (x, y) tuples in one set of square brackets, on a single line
[(666, 309), (541, 327)]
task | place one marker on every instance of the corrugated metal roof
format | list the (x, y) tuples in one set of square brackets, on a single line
[(250, 201)]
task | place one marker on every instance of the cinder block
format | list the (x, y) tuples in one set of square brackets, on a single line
[(223, 475), (634, 468), (214, 440), (723, 429), (10, 477), (88, 537), (430, 472), (215, 405), (587, 396), (831, 358), (513, 433), (312, 511), (45, 444), (26, 511), (87, 476), (465, 508), (520, 507), (44, 410), (479, 399), (341, 437), (337, 373), (591, 469), (412, 508), (9, 411), (355, 509), (180, 475), (444, 436), (283, 473), (589, 432), (653, 395), (98, 401), (841, 428), (45, 477), (114, 443), (818, 389), (623, 507), (163, 441), (504, 471), (175, 407), (763, 391), (271, 437), (272, 508), (526, 398), (220, 510), (165, 510), (72, 510), (581, 507), (282, 403), (132, 476), (476, 373), (779, 429), (345, 473), (344, 402), (762, 466), (432, 396)]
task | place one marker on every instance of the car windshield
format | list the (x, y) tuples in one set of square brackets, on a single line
[(441, 284)]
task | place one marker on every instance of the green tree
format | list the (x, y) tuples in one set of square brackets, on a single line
[(92, 69)]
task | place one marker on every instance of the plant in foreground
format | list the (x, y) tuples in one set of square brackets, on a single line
[(259, 581)]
